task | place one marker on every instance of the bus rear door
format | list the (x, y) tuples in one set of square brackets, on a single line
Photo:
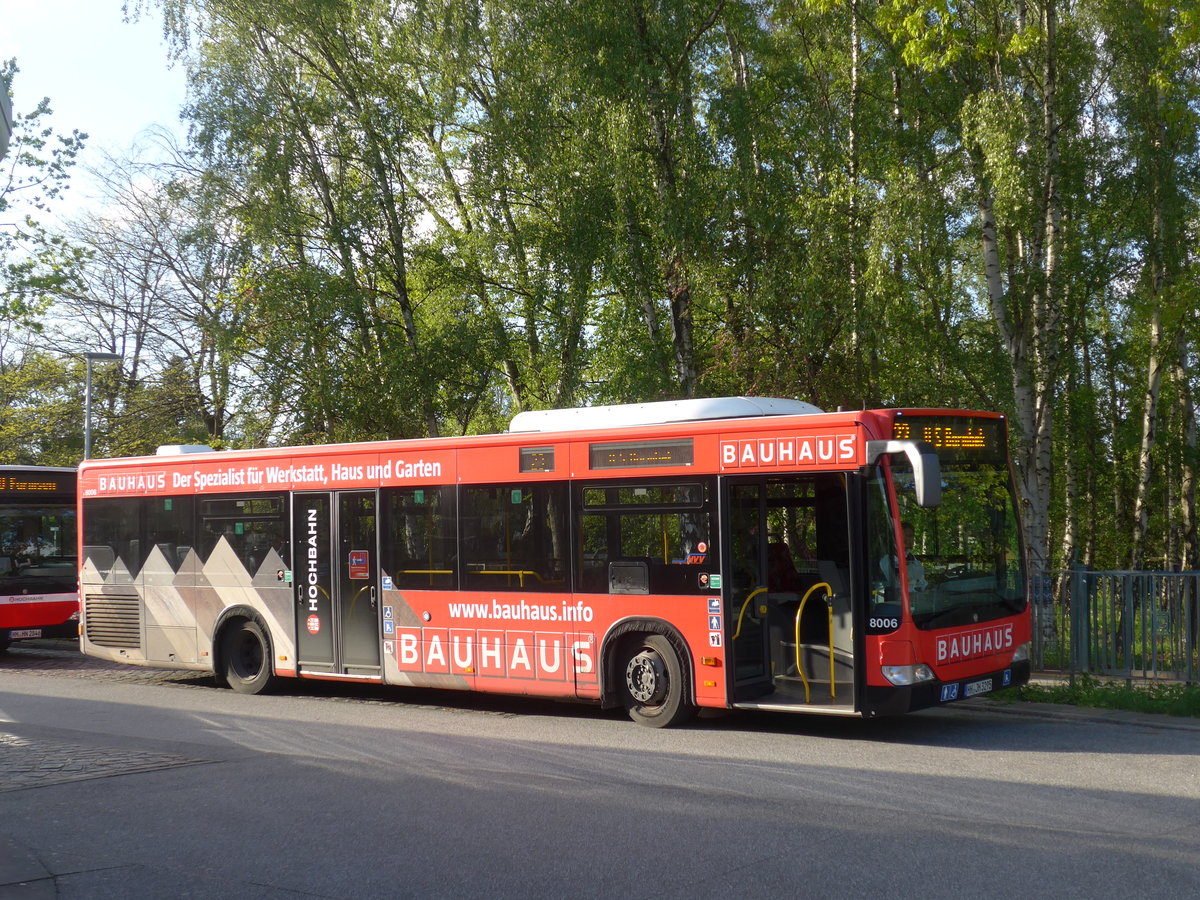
[(336, 572)]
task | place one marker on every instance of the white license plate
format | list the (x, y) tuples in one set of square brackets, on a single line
[(20, 633), (977, 687)]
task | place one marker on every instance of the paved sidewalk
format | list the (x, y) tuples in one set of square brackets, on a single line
[(27, 763), (22, 874), (1086, 713)]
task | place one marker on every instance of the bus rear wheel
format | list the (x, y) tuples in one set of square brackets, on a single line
[(652, 685), (246, 657)]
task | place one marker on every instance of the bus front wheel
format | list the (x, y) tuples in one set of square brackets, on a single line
[(246, 657), (652, 685)]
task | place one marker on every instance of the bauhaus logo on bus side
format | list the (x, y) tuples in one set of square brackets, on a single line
[(543, 656), (794, 452)]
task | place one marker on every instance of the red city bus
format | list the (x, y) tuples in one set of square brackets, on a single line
[(732, 552), (38, 576)]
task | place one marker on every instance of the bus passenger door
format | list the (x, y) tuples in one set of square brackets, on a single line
[(358, 586), (790, 626), (336, 574), (745, 590)]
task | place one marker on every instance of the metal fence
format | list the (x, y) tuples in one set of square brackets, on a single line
[(1132, 625)]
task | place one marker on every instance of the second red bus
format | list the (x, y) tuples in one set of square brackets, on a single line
[(38, 578)]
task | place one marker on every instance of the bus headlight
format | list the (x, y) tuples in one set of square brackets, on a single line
[(903, 676), (1022, 653)]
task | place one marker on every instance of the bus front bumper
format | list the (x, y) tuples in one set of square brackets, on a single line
[(891, 701)]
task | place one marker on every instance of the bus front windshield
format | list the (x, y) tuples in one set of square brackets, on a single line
[(37, 541), (963, 557)]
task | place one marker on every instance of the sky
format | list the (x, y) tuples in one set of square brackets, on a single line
[(104, 76)]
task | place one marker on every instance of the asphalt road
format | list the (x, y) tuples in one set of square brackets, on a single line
[(134, 783)]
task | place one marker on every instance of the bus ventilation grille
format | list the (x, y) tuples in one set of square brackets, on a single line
[(113, 621)]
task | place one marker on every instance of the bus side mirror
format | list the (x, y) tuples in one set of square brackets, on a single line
[(927, 470)]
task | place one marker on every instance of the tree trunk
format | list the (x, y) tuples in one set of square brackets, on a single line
[(1189, 555), (1070, 549), (664, 117), (1032, 339), (1157, 264), (853, 275)]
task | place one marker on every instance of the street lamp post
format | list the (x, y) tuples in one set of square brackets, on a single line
[(92, 356)]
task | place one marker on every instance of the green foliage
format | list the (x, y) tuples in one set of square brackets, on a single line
[(152, 413), (35, 262), (414, 219), (40, 403)]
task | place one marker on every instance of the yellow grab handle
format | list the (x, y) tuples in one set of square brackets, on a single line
[(754, 593), (799, 662)]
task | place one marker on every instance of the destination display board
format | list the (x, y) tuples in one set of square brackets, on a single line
[(956, 438), (18, 483)]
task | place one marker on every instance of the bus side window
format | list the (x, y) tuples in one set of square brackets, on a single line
[(101, 556), (419, 539), (640, 537), (111, 537), (170, 524), (249, 525), (514, 537)]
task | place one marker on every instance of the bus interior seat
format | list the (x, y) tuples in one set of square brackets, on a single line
[(833, 575), (781, 569)]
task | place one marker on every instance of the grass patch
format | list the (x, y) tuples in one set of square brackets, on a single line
[(1154, 697)]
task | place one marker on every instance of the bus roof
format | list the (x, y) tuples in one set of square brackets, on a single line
[(657, 413), (5, 467)]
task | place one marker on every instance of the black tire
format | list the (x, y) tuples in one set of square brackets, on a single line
[(246, 657), (652, 685), (5, 641)]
